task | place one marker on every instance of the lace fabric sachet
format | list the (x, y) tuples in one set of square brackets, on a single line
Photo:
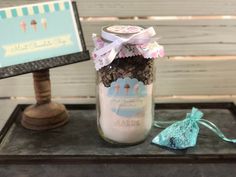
[(183, 134)]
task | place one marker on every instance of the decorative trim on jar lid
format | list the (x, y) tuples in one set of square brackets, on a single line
[(121, 41)]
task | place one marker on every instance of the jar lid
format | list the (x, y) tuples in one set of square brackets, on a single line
[(124, 31)]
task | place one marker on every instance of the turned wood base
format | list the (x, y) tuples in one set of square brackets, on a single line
[(44, 114)]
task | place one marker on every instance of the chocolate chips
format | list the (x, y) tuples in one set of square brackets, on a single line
[(132, 67)]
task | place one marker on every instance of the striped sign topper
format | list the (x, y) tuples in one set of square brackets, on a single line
[(34, 9), (38, 32)]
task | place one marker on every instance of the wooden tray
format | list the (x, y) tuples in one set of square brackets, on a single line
[(79, 142)]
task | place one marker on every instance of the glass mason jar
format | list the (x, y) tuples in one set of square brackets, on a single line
[(125, 83)]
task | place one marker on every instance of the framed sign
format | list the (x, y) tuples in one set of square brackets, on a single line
[(40, 36)]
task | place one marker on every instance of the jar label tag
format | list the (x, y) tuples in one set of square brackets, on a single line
[(128, 97)]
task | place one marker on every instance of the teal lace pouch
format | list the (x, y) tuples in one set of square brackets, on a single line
[(183, 134)]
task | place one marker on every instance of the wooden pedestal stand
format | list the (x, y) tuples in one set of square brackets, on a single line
[(44, 114)]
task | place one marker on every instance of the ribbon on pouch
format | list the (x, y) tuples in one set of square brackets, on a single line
[(183, 134), (141, 43)]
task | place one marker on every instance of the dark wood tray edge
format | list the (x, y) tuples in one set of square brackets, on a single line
[(88, 159)]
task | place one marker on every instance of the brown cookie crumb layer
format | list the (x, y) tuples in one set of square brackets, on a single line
[(132, 67)]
